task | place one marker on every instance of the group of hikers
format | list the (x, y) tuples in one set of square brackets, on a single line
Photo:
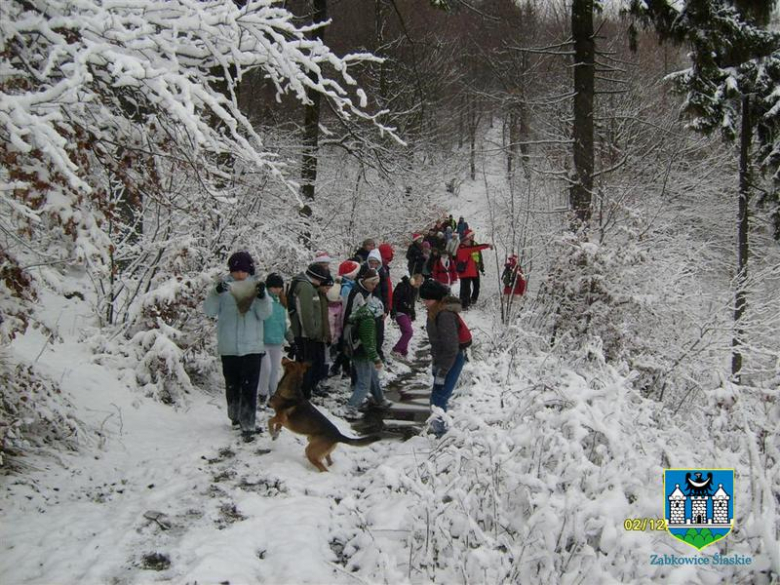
[(337, 323)]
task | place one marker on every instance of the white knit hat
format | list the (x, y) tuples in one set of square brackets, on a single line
[(375, 255), (322, 256)]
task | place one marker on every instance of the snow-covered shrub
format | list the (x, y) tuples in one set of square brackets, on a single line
[(17, 292), (118, 157), (544, 463), (586, 289), (34, 413)]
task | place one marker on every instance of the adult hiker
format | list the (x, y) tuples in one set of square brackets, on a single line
[(466, 267)]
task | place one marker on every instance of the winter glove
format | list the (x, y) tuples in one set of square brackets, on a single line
[(260, 290), (438, 379), (222, 286)]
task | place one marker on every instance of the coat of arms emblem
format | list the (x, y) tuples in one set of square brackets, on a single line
[(699, 504)]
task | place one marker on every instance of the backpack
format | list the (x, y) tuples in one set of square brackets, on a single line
[(351, 339), (460, 267), (292, 309), (464, 333), (506, 277)]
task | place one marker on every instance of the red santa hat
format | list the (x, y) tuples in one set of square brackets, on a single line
[(349, 268), (417, 237)]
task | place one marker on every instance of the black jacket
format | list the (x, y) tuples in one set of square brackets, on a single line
[(415, 259), (404, 296)]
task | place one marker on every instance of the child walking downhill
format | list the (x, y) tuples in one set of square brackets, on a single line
[(365, 358), (404, 298), (447, 356)]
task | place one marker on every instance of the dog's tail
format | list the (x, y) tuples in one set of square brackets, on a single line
[(360, 441)]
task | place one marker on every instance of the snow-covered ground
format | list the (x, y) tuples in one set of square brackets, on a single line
[(546, 459)]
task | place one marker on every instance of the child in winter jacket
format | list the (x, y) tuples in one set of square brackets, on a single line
[(275, 334), (365, 359), (447, 357), (404, 298), (512, 277), (443, 269), (240, 304)]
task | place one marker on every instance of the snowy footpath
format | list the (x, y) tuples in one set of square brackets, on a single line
[(532, 484)]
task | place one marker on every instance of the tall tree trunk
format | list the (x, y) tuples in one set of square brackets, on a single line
[(584, 85), (311, 131), (379, 41), (473, 137), (743, 224)]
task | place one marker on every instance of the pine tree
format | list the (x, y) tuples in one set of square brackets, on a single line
[(730, 86)]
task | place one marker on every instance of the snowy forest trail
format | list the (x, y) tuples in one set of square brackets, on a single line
[(546, 457)]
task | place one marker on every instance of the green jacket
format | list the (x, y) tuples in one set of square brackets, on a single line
[(306, 312), (366, 324)]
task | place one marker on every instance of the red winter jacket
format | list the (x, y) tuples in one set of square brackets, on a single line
[(444, 274), (464, 255)]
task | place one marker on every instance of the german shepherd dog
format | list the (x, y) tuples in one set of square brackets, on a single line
[(293, 411)]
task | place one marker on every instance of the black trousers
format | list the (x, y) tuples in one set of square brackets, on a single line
[(465, 292), (313, 353), (475, 289), (242, 373)]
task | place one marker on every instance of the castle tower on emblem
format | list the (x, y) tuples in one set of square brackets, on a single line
[(720, 506), (677, 506)]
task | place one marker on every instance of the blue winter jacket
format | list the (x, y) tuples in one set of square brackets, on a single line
[(238, 334), (346, 286), (275, 325)]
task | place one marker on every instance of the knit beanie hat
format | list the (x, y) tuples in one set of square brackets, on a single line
[(370, 276), (375, 255), (241, 262), (327, 281), (433, 290), (322, 256), (349, 268), (426, 245), (274, 280), (317, 272)]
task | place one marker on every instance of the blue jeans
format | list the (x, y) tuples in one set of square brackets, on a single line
[(440, 396), (367, 380)]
